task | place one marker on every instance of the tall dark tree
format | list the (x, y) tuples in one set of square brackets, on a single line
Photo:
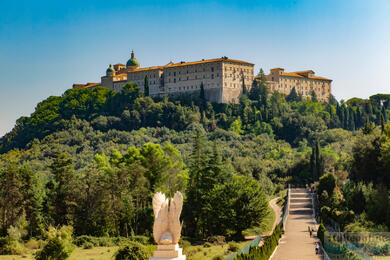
[(316, 162), (11, 199), (244, 90), (146, 86), (63, 190), (314, 96), (33, 195), (382, 123), (293, 96)]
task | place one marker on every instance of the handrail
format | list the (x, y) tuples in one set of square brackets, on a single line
[(286, 209)]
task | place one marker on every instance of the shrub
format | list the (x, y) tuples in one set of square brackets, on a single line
[(59, 244), (217, 240), (265, 251), (132, 251), (81, 240), (141, 239), (207, 244), (184, 243), (233, 246), (10, 246), (321, 232), (88, 245), (33, 244), (218, 257)]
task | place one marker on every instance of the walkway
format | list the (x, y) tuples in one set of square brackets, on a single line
[(296, 243)]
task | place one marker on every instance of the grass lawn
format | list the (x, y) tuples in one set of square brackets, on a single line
[(102, 253), (97, 253), (200, 252), (264, 227)]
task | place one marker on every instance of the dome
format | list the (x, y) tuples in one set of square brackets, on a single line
[(132, 62), (110, 69)]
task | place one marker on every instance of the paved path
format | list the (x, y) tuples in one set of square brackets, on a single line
[(296, 243)]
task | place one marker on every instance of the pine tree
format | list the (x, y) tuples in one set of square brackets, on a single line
[(63, 191), (33, 195), (11, 199), (146, 86)]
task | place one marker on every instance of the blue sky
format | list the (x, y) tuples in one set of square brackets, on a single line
[(46, 46)]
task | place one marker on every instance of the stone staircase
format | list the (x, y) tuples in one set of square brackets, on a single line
[(296, 243), (300, 202)]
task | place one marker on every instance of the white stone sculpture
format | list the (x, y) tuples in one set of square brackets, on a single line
[(167, 227)]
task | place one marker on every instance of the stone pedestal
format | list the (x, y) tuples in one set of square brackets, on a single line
[(168, 252)]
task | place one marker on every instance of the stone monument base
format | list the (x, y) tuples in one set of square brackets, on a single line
[(168, 252)]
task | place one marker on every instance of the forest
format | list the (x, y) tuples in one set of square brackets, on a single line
[(91, 159)]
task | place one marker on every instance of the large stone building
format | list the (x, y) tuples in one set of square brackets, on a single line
[(222, 79), (304, 83)]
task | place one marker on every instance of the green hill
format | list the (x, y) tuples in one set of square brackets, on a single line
[(92, 158)]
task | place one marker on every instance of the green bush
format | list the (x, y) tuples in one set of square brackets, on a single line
[(321, 232), (207, 244), (33, 244), (217, 240), (10, 246), (58, 246), (265, 251), (233, 246), (88, 245), (184, 243), (109, 241), (132, 251), (218, 257), (141, 239)]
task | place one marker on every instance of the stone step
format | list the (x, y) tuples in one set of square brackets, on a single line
[(300, 200), (300, 195), (300, 211), (300, 205)]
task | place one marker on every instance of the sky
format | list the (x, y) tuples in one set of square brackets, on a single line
[(46, 46)]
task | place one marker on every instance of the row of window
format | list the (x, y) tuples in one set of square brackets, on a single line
[(193, 87), (196, 77)]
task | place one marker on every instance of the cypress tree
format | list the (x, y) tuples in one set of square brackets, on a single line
[(314, 96), (202, 94), (293, 96), (384, 114), (146, 88), (244, 90), (382, 123), (313, 162), (351, 119)]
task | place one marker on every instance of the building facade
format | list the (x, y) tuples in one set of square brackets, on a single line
[(223, 79), (304, 83)]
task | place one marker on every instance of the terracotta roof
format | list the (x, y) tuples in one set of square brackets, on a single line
[(206, 61), (149, 68), (88, 85), (298, 74)]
